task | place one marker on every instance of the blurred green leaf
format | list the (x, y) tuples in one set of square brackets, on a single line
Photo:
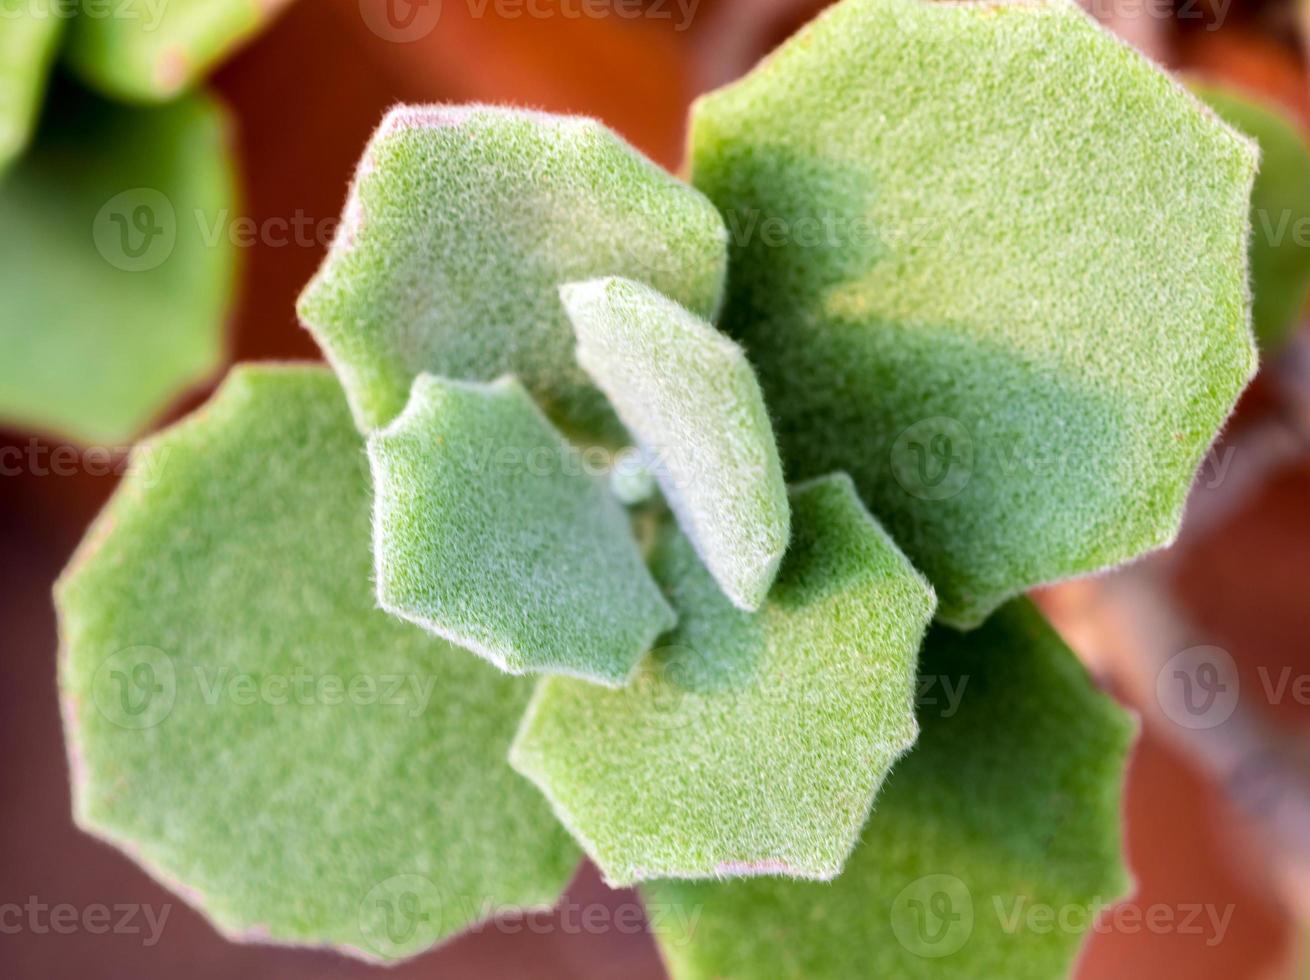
[(1280, 211), (153, 51), (29, 33), (117, 287)]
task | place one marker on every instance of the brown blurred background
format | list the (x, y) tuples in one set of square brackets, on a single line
[(304, 98)]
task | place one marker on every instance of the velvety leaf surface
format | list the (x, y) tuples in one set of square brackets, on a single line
[(463, 223), (990, 850), (751, 743), (245, 723), (490, 531), (29, 33), (1280, 212), (116, 291), (151, 51), (992, 262), (688, 395)]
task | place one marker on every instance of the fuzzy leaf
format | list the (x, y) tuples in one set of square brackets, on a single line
[(1280, 212), (489, 531), (245, 723), (752, 743), (150, 52), (29, 33), (115, 293), (992, 262), (462, 224), (1006, 811), (688, 395)]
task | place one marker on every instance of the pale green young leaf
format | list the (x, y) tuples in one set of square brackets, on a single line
[(116, 291), (462, 224), (491, 531), (992, 262), (245, 723), (990, 852), (751, 743), (152, 51), (1280, 211), (688, 395), (29, 34)]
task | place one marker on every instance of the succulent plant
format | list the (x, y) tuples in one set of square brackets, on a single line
[(972, 277)]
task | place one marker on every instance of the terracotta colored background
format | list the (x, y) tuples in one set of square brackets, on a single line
[(304, 99)]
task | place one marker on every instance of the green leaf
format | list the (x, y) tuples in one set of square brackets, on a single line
[(245, 723), (491, 532), (29, 34), (1280, 212), (991, 849), (690, 398), (991, 262), (462, 224), (151, 52), (116, 290), (752, 743)]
